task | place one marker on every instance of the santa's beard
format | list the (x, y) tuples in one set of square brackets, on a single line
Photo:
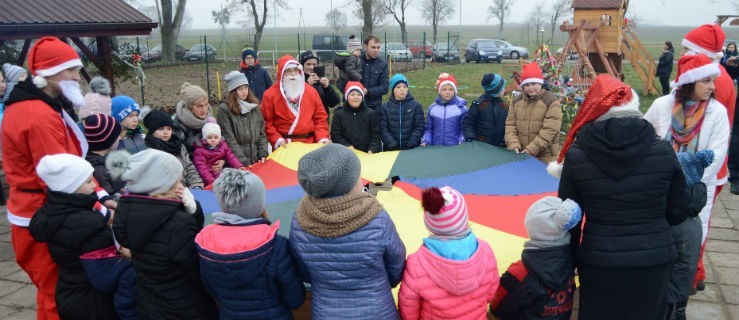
[(71, 91), (293, 86)]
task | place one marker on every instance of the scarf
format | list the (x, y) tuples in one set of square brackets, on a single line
[(173, 146), (338, 216), (189, 119), (687, 119), (245, 107)]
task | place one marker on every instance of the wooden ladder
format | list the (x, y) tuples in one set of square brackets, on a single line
[(641, 61)]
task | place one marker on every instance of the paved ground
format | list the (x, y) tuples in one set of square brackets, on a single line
[(720, 300)]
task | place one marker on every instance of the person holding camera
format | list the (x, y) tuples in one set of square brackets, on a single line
[(315, 76)]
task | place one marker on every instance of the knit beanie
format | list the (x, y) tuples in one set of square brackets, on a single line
[(234, 80), (693, 165), (493, 84), (63, 172), (444, 79), (329, 171), (149, 171), (445, 212), (353, 44), (248, 52), (707, 39), (549, 219), (98, 99), (157, 119), (122, 106), (101, 131), (240, 192), (397, 79), (307, 55), (211, 128), (353, 85), (531, 73), (12, 72), (189, 94), (691, 68)]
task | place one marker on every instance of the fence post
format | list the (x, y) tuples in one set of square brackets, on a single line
[(141, 83), (207, 73), (298, 55), (424, 50), (448, 46)]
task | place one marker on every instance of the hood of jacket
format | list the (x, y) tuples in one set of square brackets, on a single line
[(143, 217), (50, 218), (26, 90), (95, 159), (553, 265), (617, 146), (281, 63), (457, 277)]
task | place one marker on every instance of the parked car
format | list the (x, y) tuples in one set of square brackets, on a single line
[(420, 50), (395, 51), (445, 52), (324, 45), (179, 52), (125, 50), (482, 50), (511, 51), (199, 51), (572, 56)]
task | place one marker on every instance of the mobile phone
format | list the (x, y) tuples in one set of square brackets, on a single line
[(320, 71)]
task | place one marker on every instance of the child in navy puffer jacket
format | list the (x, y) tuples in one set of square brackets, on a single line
[(210, 151), (446, 115)]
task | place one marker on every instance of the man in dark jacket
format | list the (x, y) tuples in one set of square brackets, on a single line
[(485, 120), (664, 67), (322, 84), (374, 72), (259, 79)]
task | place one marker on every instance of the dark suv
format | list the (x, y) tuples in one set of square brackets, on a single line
[(324, 45), (482, 50)]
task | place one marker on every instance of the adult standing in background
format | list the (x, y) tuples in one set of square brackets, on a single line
[(664, 67), (374, 72), (321, 83), (259, 79)]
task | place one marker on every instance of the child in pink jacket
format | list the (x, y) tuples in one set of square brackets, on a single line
[(210, 151), (453, 275)]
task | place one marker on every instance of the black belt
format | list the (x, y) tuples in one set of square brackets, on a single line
[(31, 190), (299, 136)]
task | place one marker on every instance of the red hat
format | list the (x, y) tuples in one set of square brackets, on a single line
[(707, 39), (49, 56), (531, 73), (353, 85), (691, 68), (606, 95), (446, 78)]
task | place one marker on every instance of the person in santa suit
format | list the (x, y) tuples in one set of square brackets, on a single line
[(292, 109), (35, 125)]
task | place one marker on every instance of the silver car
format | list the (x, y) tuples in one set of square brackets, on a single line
[(511, 51), (395, 50)]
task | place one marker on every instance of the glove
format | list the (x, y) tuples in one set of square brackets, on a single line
[(188, 200)]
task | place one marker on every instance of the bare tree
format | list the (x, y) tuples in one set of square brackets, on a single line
[(372, 13), (396, 7), (257, 12), (500, 10), (436, 11), (537, 19), (560, 8), (336, 20)]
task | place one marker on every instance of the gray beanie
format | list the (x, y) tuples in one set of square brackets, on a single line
[(13, 72), (329, 171), (147, 172), (235, 79), (240, 192), (548, 221)]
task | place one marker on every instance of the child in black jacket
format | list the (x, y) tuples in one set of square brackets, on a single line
[(355, 125)]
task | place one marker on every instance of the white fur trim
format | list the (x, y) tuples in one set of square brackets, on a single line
[(555, 169), (40, 82), (17, 220), (349, 89), (694, 47), (633, 104), (59, 68), (534, 80), (277, 143), (441, 84), (695, 74)]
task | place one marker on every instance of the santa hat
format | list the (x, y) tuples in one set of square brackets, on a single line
[(49, 56), (445, 212), (64, 172), (607, 95), (691, 68), (353, 85), (531, 73), (211, 128), (446, 78), (707, 39)]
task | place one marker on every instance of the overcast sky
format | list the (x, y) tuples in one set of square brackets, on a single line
[(474, 12)]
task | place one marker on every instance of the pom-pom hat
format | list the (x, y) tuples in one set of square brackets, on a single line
[(531, 73), (445, 212), (48, 57), (707, 39), (445, 79)]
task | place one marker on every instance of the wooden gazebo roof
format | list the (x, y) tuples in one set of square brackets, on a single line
[(597, 4)]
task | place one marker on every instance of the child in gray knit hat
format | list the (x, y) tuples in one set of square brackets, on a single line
[(242, 258), (541, 285), (348, 62)]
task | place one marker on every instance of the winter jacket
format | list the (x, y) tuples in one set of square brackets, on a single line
[(249, 270), (444, 122), (688, 245), (309, 124), (191, 177), (101, 174), (539, 286), (190, 137), (351, 276), (133, 142), (731, 68), (206, 156), (725, 93), (25, 142), (71, 228), (350, 68), (533, 124), (244, 133), (664, 65), (259, 79), (435, 287), (329, 97), (486, 121), (357, 128), (375, 80), (160, 235), (630, 187), (401, 123)]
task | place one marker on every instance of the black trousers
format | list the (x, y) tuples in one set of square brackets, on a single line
[(733, 162), (665, 82)]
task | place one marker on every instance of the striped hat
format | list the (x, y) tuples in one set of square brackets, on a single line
[(101, 131), (445, 212)]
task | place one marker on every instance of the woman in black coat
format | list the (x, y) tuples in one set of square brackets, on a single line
[(664, 67), (630, 187)]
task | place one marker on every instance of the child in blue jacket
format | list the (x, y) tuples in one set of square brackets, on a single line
[(485, 122), (446, 115), (401, 117)]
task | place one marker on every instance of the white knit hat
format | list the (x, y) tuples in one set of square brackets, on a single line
[(211, 128), (64, 172)]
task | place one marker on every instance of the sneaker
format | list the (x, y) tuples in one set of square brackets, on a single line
[(700, 286), (734, 188)]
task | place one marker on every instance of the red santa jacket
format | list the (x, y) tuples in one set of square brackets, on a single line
[(308, 124), (726, 94), (33, 126)]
